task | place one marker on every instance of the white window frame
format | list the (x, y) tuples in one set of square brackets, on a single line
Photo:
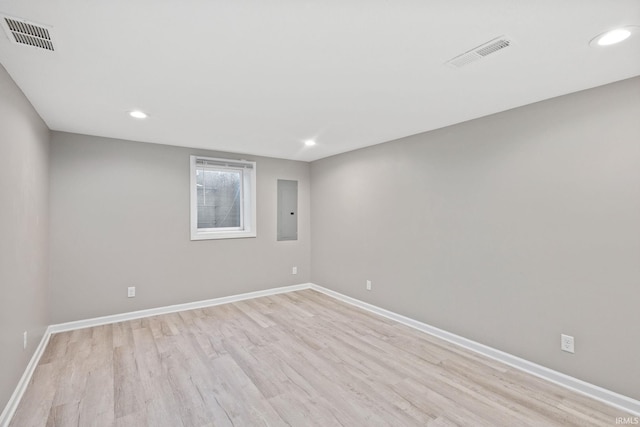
[(248, 208)]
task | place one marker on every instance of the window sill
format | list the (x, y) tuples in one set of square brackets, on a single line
[(216, 235)]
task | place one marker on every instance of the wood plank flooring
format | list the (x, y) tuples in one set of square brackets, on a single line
[(296, 359)]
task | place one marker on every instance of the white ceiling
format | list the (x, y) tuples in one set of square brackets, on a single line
[(260, 77)]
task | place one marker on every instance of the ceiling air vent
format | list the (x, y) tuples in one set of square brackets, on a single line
[(27, 33), (480, 52)]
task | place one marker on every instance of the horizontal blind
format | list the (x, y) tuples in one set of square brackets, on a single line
[(204, 162)]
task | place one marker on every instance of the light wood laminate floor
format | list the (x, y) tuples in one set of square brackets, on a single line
[(297, 359)]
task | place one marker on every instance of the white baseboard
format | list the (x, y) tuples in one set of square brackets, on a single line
[(14, 400), (608, 397), (115, 318)]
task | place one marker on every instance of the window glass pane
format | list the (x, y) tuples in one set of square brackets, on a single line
[(200, 186), (219, 198)]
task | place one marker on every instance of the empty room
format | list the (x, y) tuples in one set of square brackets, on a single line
[(319, 213)]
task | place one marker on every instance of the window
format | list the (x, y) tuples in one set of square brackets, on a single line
[(223, 198)]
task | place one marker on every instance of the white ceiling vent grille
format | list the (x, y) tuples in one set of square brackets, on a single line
[(27, 33), (480, 52)]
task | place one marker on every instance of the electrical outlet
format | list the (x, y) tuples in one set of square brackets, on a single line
[(294, 270), (24, 340), (131, 291), (368, 285), (567, 343)]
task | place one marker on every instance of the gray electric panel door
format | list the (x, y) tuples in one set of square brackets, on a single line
[(287, 210)]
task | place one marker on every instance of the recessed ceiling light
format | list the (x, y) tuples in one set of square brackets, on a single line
[(137, 114), (612, 37), (309, 143)]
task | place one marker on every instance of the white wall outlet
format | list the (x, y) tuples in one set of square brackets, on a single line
[(368, 285), (567, 343), (131, 291), (24, 340), (294, 270)]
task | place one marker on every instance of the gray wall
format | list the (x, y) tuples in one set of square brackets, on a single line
[(508, 230), (120, 217), (24, 194)]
